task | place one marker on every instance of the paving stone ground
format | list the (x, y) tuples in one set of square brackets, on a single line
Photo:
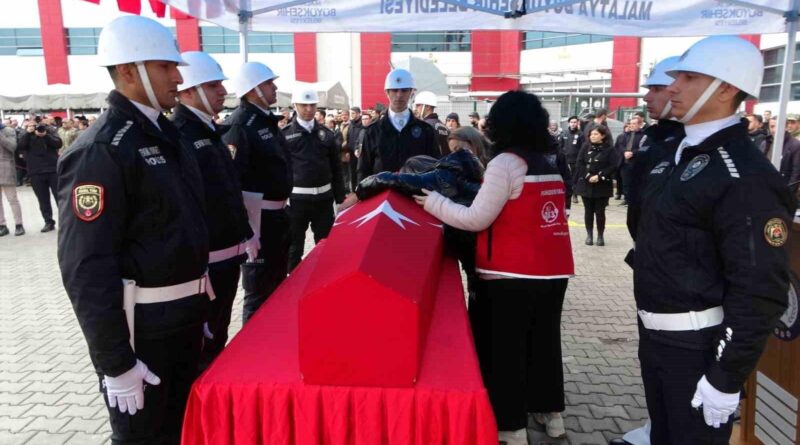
[(49, 392)]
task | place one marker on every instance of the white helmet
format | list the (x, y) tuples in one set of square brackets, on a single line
[(397, 79), (305, 96), (658, 75), (199, 69), (132, 38), (426, 98), (730, 59), (251, 74)]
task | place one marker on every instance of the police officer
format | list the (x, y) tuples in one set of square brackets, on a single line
[(711, 265), (424, 108), (201, 97), (317, 173), (264, 164), (571, 141), (133, 244), (658, 141), (392, 140)]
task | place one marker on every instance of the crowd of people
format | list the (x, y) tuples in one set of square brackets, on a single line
[(162, 215), (28, 156)]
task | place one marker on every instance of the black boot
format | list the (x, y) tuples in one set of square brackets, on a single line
[(589, 239), (48, 227), (600, 241), (19, 231), (3, 229)]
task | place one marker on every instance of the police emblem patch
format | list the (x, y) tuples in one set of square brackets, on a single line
[(321, 135), (416, 132), (658, 169), (775, 232), (695, 166), (87, 201)]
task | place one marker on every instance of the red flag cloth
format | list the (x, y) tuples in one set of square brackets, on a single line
[(255, 393), (96, 2), (159, 9), (178, 14), (130, 6)]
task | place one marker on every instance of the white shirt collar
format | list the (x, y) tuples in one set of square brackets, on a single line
[(149, 112), (208, 120), (399, 120), (265, 110), (697, 133), (308, 125)]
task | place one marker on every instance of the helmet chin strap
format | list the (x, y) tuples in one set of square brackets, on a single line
[(701, 101), (148, 87), (666, 110), (260, 95), (204, 99)]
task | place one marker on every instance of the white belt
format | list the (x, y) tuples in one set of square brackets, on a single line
[(133, 295), (272, 205), (218, 256), (311, 190), (684, 321)]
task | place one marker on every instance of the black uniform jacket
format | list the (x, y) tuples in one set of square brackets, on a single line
[(130, 206), (442, 133), (226, 217), (713, 232), (658, 141), (316, 160), (41, 152), (386, 149), (260, 151), (571, 141)]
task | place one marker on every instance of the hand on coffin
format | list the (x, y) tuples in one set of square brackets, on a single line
[(422, 198), (349, 201)]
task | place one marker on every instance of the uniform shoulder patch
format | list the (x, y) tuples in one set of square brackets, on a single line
[(416, 132), (88, 201), (775, 232)]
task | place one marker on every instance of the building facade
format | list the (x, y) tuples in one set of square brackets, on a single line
[(49, 47)]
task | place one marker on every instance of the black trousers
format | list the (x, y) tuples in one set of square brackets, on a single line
[(346, 176), (261, 277), (304, 212), (353, 172), (516, 324), (620, 183), (43, 185), (224, 277), (168, 340), (625, 172), (595, 208), (670, 375)]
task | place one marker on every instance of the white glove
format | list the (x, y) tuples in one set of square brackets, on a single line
[(252, 246), (252, 202), (127, 390), (717, 406)]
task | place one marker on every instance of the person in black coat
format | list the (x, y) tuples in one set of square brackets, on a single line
[(790, 157), (40, 148), (597, 162)]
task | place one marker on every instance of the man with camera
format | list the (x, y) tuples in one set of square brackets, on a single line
[(40, 147)]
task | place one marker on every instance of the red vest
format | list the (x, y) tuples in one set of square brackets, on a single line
[(530, 237)]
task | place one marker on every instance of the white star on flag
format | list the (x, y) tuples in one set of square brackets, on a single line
[(386, 209)]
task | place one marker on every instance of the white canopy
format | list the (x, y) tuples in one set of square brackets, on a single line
[(610, 17)]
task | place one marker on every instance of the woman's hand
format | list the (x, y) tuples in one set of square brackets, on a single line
[(421, 199), (349, 201), (594, 179)]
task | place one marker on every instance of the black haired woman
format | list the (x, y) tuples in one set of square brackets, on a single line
[(597, 163), (523, 258)]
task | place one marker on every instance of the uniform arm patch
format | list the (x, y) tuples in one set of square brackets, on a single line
[(775, 232), (88, 201)]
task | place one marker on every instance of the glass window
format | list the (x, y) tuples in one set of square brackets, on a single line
[(218, 40), (451, 41), (536, 39), (82, 41), (20, 41)]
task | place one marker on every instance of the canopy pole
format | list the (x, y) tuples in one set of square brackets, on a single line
[(786, 82), (245, 15)]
